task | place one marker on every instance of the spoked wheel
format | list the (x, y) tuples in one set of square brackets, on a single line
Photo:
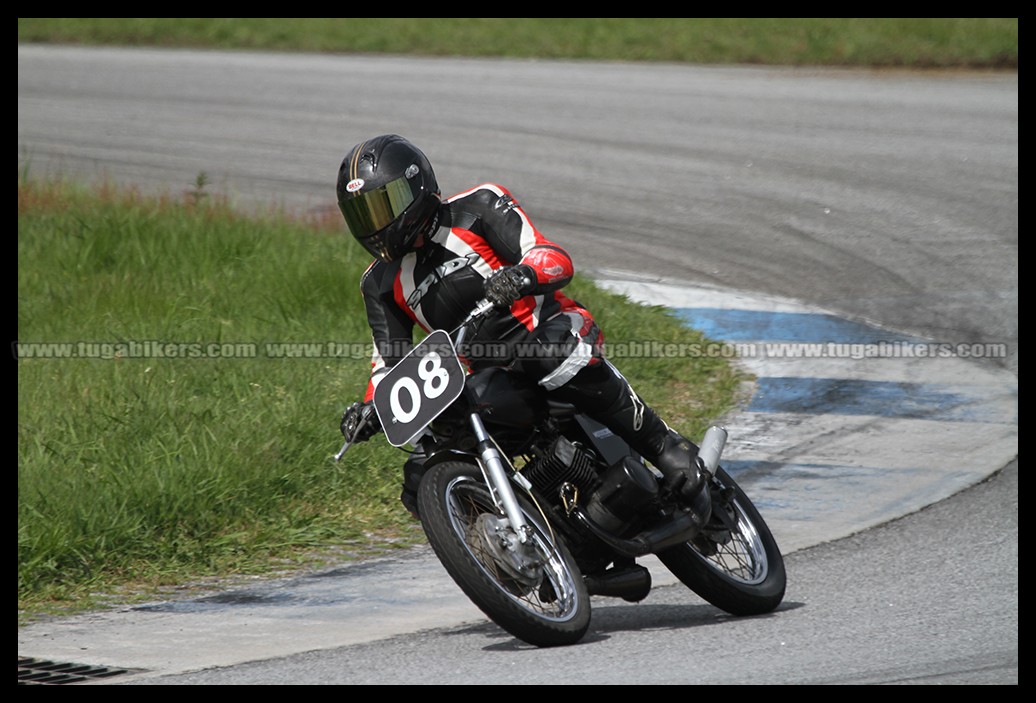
[(533, 590), (735, 563)]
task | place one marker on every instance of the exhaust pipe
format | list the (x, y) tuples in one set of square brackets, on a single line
[(712, 447), (679, 529)]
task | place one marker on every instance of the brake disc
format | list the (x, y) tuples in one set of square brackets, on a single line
[(514, 557)]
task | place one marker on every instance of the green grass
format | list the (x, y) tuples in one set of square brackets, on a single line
[(142, 464), (912, 42)]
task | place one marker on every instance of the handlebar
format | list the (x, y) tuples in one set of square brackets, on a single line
[(350, 440), (482, 307)]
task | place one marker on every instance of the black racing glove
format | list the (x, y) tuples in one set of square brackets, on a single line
[(360, 422), (508, 284)]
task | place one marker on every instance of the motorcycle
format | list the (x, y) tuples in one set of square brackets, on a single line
[(533, 507)]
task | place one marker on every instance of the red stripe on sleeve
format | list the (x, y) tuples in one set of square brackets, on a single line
[(480, 246)]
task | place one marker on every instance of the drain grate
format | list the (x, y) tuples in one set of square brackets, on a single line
[(40, 671)]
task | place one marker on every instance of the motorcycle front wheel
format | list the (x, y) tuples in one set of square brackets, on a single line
[(536, 593), (735, 564)]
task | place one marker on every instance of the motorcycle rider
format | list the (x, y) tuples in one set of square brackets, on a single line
[(435, 258)]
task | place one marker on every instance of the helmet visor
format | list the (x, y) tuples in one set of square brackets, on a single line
[(367, 213)]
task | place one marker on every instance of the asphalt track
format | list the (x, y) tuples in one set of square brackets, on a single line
[(854, 233)]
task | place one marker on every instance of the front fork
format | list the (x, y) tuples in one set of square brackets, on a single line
[(495, 471), (492, 461)]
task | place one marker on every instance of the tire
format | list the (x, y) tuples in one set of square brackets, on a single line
[(743, 576), (546, 608)]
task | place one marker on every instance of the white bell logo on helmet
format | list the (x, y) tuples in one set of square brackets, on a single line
[(354, 185)]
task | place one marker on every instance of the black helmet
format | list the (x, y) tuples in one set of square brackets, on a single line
[(388, 195)]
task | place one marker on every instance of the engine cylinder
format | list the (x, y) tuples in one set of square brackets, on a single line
[(563, 463)]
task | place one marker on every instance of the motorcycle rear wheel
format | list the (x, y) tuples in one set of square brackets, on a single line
[(546, 606), (742, 575)]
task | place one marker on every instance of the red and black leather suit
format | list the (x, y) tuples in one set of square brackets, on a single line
[(435, 285), (438, 283)]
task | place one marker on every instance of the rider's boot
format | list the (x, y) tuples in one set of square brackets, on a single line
[(603, 393)]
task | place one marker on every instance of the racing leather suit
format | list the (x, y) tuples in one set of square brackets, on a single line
[(438, 283)]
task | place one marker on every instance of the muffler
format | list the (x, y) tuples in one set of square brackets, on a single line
[(711, 448)]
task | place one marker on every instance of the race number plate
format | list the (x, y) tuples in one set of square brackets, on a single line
[(418, 388)]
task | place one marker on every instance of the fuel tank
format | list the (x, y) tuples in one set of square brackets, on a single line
[(507, 399)]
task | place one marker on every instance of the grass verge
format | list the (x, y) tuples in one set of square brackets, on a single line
[(918, 42)]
